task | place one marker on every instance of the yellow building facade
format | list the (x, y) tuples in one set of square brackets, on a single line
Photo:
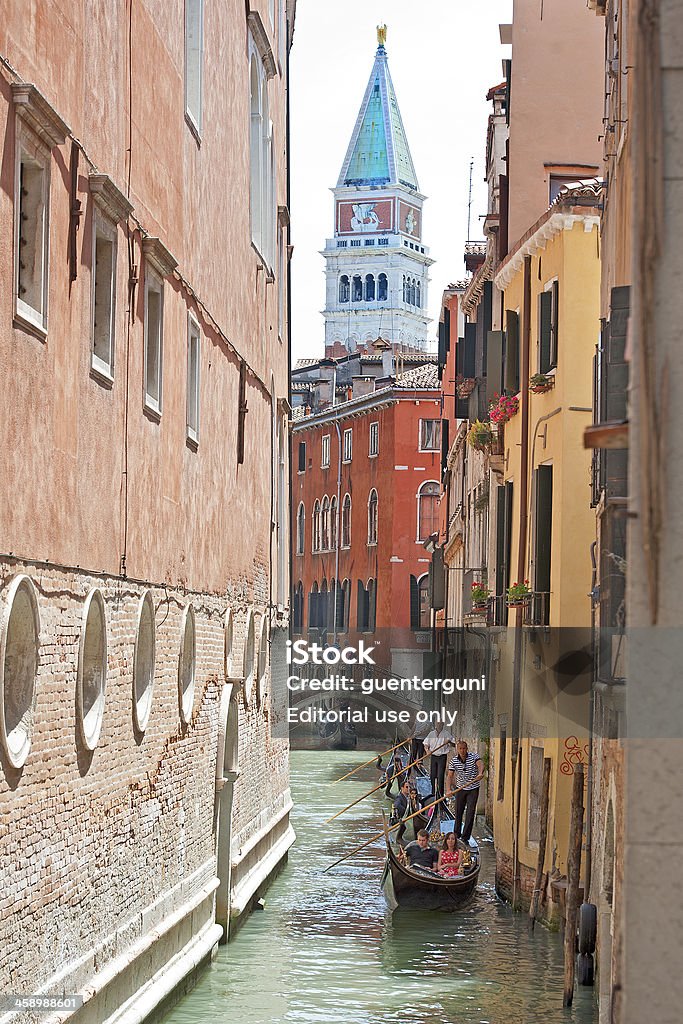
[(541, 650)]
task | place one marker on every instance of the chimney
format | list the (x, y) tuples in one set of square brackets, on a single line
[(387, 362), (363, 386), (323, 394)]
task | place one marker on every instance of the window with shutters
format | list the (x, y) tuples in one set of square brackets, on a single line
[(542, 542), (373, 446), (372, 517), (313, 607), (548, 327), (346, 522), (348, 445), (31, 231), (511, 356), (344, 610), (298, 608), (302, 457), (362, 608), (428, 509), (323, 606), (430, 435), (369, 288), (423, 601)]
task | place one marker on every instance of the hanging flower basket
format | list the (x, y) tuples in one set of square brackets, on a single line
[(464, 386), (518, 594), (480, 436), (503, 408), (539, 383)]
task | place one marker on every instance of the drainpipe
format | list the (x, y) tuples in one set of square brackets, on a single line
[(336, 532)]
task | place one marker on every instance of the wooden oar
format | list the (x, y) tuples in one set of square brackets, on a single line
[(366, 763), (370, 792), (389, 829)]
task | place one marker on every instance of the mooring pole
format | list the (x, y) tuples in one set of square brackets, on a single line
[(573, 872), (542, 843)]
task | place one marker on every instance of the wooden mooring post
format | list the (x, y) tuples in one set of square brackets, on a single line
[(573, 872), (542, 843)]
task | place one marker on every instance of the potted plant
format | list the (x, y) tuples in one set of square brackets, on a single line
[(503, 408), (541, 382), (480, 436), (480, 595), (518, 594)]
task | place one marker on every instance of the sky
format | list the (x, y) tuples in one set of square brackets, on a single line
[(444, 56)]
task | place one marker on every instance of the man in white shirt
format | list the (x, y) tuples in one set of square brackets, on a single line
[(437, 744)]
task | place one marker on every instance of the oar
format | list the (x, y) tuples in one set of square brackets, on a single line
[(370, 792), (389, 829), (366, 763)]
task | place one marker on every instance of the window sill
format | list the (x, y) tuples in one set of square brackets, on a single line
[(270, 276), (192, 442), (194, 128), (153, 412), (102, 376), (346, 462), (373, 455), (429, 451), (26, 322), (372, 544), (324, 465)]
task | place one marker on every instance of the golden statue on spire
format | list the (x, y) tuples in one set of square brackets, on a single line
[(381, 34)]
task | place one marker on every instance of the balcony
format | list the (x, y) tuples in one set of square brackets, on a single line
[(536, 609), (496, 611)]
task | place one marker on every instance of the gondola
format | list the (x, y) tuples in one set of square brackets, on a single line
[(338, 736), (422, 890)]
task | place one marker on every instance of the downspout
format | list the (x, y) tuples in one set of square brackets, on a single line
[(338, 524)]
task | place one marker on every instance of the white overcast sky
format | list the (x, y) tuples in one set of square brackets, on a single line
[(444, 55)]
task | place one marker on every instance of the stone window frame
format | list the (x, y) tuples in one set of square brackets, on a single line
[(194, 66), (142, 704), (192, 418), (248, 657), (90, 732), (158, 264), (104, 228), (17, 743), (186, 692)]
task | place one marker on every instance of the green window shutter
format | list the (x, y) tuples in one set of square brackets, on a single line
[(494, 364), (545, 309), (414, 603), (501, 582), (468, 369), (543, 524), (511, 373), (554, 323)]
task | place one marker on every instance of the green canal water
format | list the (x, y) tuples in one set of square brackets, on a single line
[(325, 949)]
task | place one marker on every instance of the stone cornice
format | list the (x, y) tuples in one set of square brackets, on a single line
[(109, 197), (34, 109), (258, 31), (158, 255), (550, 225)]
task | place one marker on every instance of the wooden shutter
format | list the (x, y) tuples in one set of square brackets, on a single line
[(511, 375), (447, 328), (543, 524), (442, 347), (554, 323), (494, 364), (469, 355), (302, 456), (500, 541), (508, 532), (414, 603), (444, 445), (545, 307)]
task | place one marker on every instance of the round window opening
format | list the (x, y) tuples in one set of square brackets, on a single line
[(18, 669), (143, 663), (186, 666), (263, 659), (92, 669), (249, 659)]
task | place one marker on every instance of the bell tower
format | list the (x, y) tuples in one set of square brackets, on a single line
[(377, 266)]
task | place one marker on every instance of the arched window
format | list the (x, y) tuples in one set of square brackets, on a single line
[(322, 606), (333, 523), (331, 606), (382, 289), (313, 607), (298, 608), (325, 528), (346, 522), (344, 288), (369, 288), (405, 289), (423, 597), (316, 526), (412, 292), (300, 529), (357, 289), (372, 517), (428, 509), (255, 154), (372, 604), (345, 605), (419, 294)]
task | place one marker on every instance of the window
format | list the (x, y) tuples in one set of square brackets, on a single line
[(428, 509), (143, 663), (262, 193), (248, 658), (31, 246), (333, 523), (18, 669), (430, 435), (343, 606), (186, 665), (103, 297), (547, 327), (357, 290), (154, 313), (369, 288), (300, 529), (316, 526), (298, 608), (346, 522), (366, 606), (194, 53), (325, 452), (419, 602), (373, 447), (542, 543), (92, 670), (193, 362), (302, 457), (348, 445), (344, 288), (255, 154), (372, 517), (419, 294), (282, 280), (325, 527), (501, 763), (382, 289), (511, 370), (313, 607)]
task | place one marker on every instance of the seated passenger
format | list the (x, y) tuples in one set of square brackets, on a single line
[(420, 854), (450, 865)]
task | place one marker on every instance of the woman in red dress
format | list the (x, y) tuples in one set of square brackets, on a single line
[(449, 857)]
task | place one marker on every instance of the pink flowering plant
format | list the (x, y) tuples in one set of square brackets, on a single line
[(503, 408), (480, 594)]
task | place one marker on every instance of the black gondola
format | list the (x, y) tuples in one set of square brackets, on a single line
[(424, 890), (338, 736)]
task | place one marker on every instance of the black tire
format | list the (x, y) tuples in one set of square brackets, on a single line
[(584, 969), (588, 927)]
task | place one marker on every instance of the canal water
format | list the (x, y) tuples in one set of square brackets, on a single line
[(325, 949)]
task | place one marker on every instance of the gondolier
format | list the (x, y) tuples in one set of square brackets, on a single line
[(465, 772), (437, 743), (402, 807)]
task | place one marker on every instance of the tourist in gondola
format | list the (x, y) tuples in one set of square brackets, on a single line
[(420, 854), (465, 772), (437, 744), (450, 861)]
